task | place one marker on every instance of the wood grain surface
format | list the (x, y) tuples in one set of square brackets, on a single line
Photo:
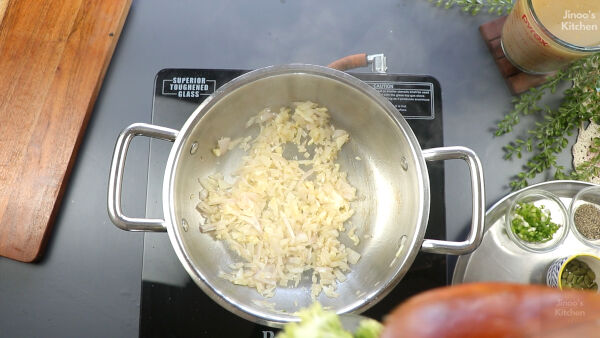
[(53, 57), (3, 4)]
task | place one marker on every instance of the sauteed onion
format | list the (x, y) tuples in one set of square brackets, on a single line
[(283, 216)]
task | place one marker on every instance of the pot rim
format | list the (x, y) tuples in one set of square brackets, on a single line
[(248, 311)]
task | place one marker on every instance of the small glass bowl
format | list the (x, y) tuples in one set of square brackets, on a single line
[(589, 195), (558, 215)]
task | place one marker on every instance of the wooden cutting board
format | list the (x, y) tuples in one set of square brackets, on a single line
[(53, 57)]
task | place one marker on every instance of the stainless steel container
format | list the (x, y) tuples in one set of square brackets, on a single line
[(392, 177)]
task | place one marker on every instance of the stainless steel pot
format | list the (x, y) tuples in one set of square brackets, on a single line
[(392, 176)]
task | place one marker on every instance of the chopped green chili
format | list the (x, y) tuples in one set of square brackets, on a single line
[(533, 224)]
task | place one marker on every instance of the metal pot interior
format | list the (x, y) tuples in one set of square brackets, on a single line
[(391, 180)]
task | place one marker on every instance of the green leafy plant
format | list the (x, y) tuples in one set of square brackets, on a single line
[(498, 7), (581, 104)]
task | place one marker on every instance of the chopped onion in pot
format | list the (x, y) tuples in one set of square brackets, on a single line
[(283, 216)]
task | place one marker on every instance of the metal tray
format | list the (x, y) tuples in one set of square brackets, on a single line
[(499, 259)]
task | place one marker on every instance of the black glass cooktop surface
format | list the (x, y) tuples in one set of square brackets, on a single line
[(171, 303)]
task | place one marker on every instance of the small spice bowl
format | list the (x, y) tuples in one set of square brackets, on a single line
[(550, 205), (559, 270), (584, 214)]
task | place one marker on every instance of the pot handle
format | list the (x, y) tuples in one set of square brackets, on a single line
[(115, 180), (377, 62), (477, 189)]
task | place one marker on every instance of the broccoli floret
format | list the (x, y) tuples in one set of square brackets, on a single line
[(368, 328), (315, 322)]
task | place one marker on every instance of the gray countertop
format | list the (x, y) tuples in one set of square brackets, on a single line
[(88, 282)]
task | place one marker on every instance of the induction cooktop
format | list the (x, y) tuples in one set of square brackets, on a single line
[(171, 303)]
